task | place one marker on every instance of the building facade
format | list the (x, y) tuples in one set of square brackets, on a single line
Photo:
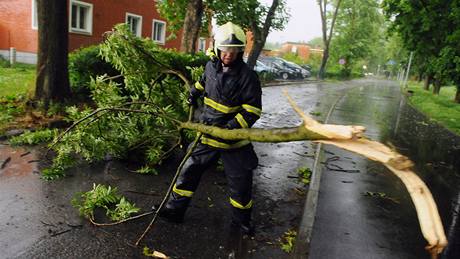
[(88, 20), (300, 49)]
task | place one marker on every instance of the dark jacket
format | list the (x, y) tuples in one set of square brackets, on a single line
[(232, 99)]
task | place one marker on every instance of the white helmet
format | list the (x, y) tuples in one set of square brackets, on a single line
[(229, 36)]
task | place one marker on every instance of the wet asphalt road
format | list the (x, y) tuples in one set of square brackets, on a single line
[(37, 220), (364, 211)]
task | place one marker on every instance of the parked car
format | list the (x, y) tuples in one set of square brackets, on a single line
[(280, 69), (307, 67), (260, 68), (305, 73)]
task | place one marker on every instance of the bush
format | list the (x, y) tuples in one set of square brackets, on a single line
[(266, 77), (34, 138), (4, 62), (84, 64)]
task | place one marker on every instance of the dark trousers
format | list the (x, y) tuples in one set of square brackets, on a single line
[(238, 164)]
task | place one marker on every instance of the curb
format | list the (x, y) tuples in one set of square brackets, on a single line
[(290, 82), (302, 244)]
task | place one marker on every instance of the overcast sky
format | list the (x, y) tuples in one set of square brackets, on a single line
[(304, 24)]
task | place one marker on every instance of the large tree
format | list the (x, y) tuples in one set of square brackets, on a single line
[(192, 25), (249, 14), (423, 27), (187, 15), (357, 33), (327, 19), (52, 82)]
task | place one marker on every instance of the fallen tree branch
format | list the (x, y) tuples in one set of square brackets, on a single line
[(118, 108), (427, 211), (119, 222), (350, 138)]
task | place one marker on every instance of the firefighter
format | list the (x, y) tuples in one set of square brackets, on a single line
[(231, 95)]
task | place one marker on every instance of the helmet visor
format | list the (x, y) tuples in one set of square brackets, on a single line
[(230, 49)]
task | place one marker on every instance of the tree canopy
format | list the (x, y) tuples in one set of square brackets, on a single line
[(358, 33), (430, 29), (251, 15)]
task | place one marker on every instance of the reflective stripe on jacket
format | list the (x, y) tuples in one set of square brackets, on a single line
[(232, 99)]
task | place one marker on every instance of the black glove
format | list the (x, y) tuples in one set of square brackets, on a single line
[(192, 100)]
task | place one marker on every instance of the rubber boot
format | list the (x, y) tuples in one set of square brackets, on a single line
[(174, 210), (241, 220)]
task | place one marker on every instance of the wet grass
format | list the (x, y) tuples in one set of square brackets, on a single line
[(17, 80), (440, 108), (15, 84)]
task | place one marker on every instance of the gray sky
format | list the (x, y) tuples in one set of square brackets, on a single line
[(304, 24)]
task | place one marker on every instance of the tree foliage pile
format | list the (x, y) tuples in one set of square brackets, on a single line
[(137, 115)]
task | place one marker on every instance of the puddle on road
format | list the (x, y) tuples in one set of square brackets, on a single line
[(17, 162)]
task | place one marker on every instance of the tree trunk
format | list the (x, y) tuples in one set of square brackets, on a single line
[(326, 38), (322, 69), (420, 77), (457, 95), (192, 26), (52, 83), (260, 35), (428, 79), (257, 47), (436, 86)]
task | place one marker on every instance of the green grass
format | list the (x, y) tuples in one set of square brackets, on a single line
[(440, 108), (18, 80), (15, 84)]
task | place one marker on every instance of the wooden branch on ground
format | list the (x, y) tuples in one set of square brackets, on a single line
[(350, 138)]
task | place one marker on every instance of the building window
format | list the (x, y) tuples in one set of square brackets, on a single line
[(158, 31), (294, 49), (81, 17), (134, 23), (34, 15), (202, 44)]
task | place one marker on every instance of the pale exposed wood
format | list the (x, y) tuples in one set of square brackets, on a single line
[(427, 212), (328, 130), (350, 138)]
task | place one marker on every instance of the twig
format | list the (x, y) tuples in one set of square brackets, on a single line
[(74, 226), (334, 167), (189, 153), (60, 233), (169, 151), (6, 161), (153, 85), (34, 161), (25, 154), (118, 222), (299, 154), (112, 77), (47, 224)]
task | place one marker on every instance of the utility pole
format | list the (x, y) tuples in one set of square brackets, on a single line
[(408, 69)]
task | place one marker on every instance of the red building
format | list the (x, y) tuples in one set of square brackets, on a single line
[(88, 20), (300, 49)]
